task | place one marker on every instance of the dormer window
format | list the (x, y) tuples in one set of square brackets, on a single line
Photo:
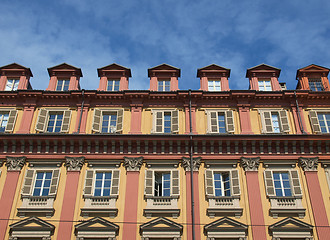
[(62, 85), (214, 85), (264, 85), (12, 85), (113, 85), (164, 85), (315, 84)]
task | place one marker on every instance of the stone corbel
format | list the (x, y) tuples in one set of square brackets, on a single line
[(15, 163), (133, 164), (74, 163), (250, 164), (309, 164), (186, 163)]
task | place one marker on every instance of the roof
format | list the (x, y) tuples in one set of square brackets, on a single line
[(312, 68), (263, 68), (164, 68), (64, 67), (213, 68), (15, 67), (114, 67)]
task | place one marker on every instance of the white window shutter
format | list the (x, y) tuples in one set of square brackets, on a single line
[(96, 126), (209, 191), (149, 183), (28, 182), (269, 183), (230, 121), (159, 122), (175, 121), (42, 120), (89, 181), (314, 121), (234, 178), (120, 117), (296, 189), (285, 127), (115, 183), (54, 183), (175, 175), (66, 121), (268, 126), (11, 121), (213, 121)]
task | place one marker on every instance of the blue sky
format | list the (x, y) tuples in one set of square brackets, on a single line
[(140, 34)]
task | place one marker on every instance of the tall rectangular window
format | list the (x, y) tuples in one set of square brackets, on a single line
[(102, 183), (167, 122), (12, 85), (109, 122), (275, 122), (264, 85), (315, 84), (221, 184), (324, 121), (282, 184), (3, 121), (42, 184), (214, 85), (222, 122), (113, 85), (164, 85), (55, 122), (62, 85), (162, 184)]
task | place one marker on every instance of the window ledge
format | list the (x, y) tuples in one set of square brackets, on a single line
[(224, 205), (286, 206), (100, 205), (162, 206), (42, 205)]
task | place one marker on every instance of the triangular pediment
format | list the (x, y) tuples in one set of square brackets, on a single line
[(290, 224), (32, 224), (225, 224), (164, 68), (313, 68), (64, 67), (213, 68), (114, 67), (161, 224), (16, 67), (263, 68), (97, 224)]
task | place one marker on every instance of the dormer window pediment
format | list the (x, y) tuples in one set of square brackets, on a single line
[(113, 77), (164, 77), (264, 77), (214, 78), (14, 77), (313, 78)]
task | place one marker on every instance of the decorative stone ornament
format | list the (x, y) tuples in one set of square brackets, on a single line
[(250, 164), (133, 164), (74, 163), (309, 164), (186, 163), (15, 163)]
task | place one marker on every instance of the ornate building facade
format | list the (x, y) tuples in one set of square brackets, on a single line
[(164, 163)]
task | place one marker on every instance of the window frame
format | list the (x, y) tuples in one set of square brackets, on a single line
[(267, 123), (64, 86), (43, 120), (214, 85), (98, 120), (315, 122), (43, 180), (264, 85), (158, 115), (229, 120), (14, 85), (312, 83), (12, 117), (112, 87), (164, 85)]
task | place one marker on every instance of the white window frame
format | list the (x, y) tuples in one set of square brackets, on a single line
[(64, 83), (112, 83), (262, 84), (164, 81), (43, 120), (11, 120), (98, 120), (312, 81), (283, 120), (212, 84), (42, 187), (229, 116), (13, 85), (315, 122), (222, 188), (174, 118)]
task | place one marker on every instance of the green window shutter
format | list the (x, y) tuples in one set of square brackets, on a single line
[(28, 181), (175, 121), (159, 122), (269, 183), (295, 183), (230, 121), (11, 121), (42, 119), (268, 126), (96, 126), (66, 121), (149, 182), (115, 183), (88, 190), (213, 128), (236, 190), (120, 117), (54, 183), (209, 191), (314, 122), (175, 182), (284, 121)]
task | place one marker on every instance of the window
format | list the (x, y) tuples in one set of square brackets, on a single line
[(264, 85), (42, 184), (162, 184), (165, 121), (108, 121), (220, 121), (164, 85), (7, 120), (221, 184), (274, 121), (113, 85), (320, 121), (102, 184), (282, 184), (53, 121), (214, 85), (12, 85), (315, 84), (62, 85)]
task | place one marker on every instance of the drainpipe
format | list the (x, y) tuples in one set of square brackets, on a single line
[(82, 109), (299, 116), (191, 172)]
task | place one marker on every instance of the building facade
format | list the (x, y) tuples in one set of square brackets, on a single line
[(164, 163)]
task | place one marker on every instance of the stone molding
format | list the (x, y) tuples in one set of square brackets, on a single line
[(15, 163), (186, 163), (133, 164), (74, 163), (309, 164), (250, 164)]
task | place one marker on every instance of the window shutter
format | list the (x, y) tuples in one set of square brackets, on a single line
[(175, 183), (295, 183), (236, 191), (54, 183), (28, 181), (42, 119), (230, 121), (268, 127), (269, 183), (175, 121), (11, 121), (213, 128), (284, 121), (314, 122), (88, 190), (149, 182), (66, 121), (120, 116), (209, 183), (97, 120), (115, 183), (159, 122)]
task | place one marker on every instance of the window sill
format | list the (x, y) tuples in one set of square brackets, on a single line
[(41, 205), (164, 206), (100, 205), (224, 206), (286, 206)]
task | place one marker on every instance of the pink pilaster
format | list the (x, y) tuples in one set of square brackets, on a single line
[(153, 84), (254, 83), (26, 119), (325, 82), (244, 117), (73, 83), (174, 84), (3, 81), (193, 120), (83, 121), (23, 82), (103, 83), (136, 118), (275, 84), (52, 83), (296, 119), (204, 83), (224, 84), (123, 83)]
